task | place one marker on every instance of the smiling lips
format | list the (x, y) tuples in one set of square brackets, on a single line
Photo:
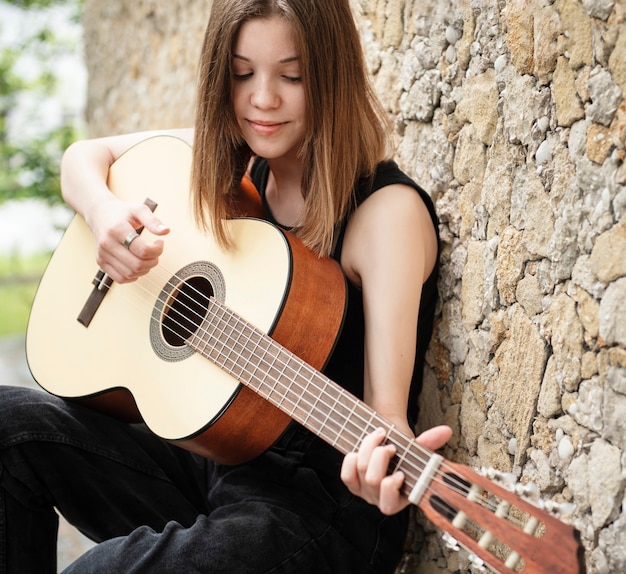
[(265, 128)]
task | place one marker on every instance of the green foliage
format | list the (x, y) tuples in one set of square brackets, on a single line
[(29, 166), (33, 3), (19, 278), (15, 303), (41, 4), (32, 170)]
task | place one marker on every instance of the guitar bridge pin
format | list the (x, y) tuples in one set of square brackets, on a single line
[(451, 542), (477, 562)]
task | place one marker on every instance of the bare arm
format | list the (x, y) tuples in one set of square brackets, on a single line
[(389, 250), (84, 171)]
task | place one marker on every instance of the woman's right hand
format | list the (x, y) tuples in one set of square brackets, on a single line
[(113, 222), (84, 173)]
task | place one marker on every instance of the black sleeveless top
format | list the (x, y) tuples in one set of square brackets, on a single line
[(346, 365)]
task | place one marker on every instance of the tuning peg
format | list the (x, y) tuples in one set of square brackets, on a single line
[(529, 490), (506, 479), (477, 562), (509, 481), (451, 542), (558, 508)]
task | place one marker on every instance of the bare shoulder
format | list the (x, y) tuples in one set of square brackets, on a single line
[(394, 219)]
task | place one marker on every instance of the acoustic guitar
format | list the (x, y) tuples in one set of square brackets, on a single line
[(218, 350)]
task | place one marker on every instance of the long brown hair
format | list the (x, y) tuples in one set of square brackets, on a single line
[(346, 127)]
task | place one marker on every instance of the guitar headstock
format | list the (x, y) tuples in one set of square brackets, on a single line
[(504, 528)]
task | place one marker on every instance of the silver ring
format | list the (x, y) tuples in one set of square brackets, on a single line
[(130, 238)]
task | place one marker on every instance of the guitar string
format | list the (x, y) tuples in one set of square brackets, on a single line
[(451, 482), (464, 491), (460, 486), (401, 455)]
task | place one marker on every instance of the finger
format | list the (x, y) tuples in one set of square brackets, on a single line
[(349, 474), (142, 248), (146, 218), (130, 237), (124, 264), (143, 218), (435, 437), (391, 499), (157, 227), (369, 443), (118, 272), (378, 466)]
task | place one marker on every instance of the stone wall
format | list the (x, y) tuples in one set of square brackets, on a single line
[(512, 115), (142, 59)]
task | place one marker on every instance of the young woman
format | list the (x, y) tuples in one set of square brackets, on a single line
[(283, 100)]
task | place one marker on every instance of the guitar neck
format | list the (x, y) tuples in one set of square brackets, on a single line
[(294, 387), (452, 497)]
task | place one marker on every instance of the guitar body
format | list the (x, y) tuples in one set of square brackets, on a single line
[(130, 362)]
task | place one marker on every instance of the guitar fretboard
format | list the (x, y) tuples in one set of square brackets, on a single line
[(306, 395)]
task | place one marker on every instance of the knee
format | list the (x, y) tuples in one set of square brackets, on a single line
[(24, 410)]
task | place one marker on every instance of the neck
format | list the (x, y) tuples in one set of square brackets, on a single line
[(284, 191)]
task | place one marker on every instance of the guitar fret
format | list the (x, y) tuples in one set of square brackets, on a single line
[(401, 458), (351, 439), (367, 429), (273, 390), (250, 376), (277, 369), (324, 428), (342, 429), (296, 399), (331, 425), (299, 398), (227, 348), (258, 360), (271, 369), (216, 338), (245, 356), (331, 409), (227, 361), (312, 409), (203, 335), (279, 376)]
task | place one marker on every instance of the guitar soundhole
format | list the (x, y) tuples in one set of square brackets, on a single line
[(186, 310), (182, 306)]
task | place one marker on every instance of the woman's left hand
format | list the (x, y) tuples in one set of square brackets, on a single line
[(365, 472)]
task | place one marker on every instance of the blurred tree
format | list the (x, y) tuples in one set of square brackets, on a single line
[(29, 167)]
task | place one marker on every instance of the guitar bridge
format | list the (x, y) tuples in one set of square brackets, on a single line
[(102, 283)]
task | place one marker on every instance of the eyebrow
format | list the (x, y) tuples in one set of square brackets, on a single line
[(283, 61)]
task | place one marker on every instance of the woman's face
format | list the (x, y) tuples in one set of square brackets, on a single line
[(268, 95)]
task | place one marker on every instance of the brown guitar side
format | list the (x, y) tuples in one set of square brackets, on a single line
[(308, 326)]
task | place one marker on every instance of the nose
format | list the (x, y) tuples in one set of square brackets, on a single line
[(264, 94)]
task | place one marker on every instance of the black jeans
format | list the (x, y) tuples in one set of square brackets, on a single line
[(156, 508)]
